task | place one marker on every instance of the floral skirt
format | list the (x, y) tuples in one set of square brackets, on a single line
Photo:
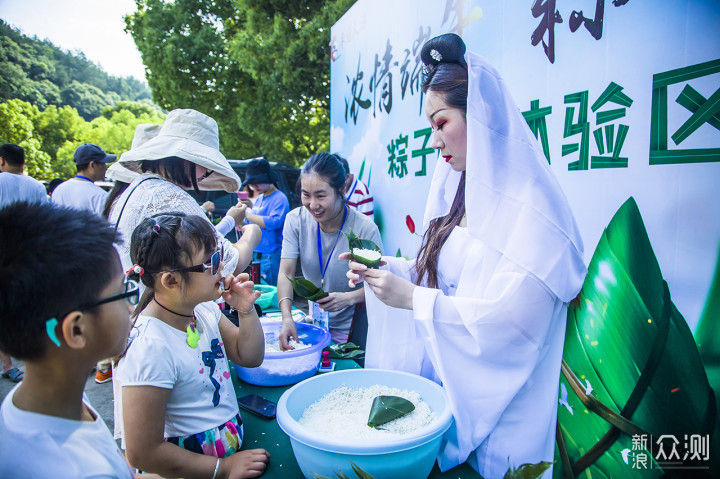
[(222, 441)]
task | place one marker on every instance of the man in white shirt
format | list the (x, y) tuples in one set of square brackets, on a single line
[(14, 184), (81, 192)]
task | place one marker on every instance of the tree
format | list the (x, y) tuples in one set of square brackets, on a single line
[(260, 68), (16, 125)]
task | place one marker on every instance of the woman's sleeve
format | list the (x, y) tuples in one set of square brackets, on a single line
[(494, 336), (291, 237), (275, 216)]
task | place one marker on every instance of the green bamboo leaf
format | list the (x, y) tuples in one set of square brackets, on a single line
[(360, 473), (355, 244), (528, 471), (307, 289), (388, 408)]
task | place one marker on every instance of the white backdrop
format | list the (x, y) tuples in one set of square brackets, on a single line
[(631, 97)]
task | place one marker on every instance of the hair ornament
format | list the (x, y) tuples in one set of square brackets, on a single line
[(436, 55), (137, 269)]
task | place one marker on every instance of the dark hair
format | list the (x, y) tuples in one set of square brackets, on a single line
[(54, 183), (329, 167), (167, 241), (118, 189), (172, 168), (13, 154), (445, 73), (59, 259), (344, 163), (449, 75)]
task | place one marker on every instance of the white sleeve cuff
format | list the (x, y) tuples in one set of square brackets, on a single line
[(225, 225)]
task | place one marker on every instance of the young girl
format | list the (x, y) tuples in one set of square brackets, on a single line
[(177, 398)]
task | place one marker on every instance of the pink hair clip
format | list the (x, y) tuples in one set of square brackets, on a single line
[(136, 268)]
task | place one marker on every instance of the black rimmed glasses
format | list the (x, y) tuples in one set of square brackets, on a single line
[(213, 265), (131, 295)]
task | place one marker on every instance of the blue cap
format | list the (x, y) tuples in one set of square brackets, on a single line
[(88, 152)]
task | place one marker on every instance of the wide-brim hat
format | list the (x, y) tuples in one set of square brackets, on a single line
[(192, 136), (144, 132), (259, 172)]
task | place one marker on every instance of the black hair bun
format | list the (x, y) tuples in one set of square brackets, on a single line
[(446, 48)]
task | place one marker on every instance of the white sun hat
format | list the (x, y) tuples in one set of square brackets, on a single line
[(192, 136), (143, 133)]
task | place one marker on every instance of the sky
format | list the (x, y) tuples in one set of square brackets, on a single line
[(94, 27)]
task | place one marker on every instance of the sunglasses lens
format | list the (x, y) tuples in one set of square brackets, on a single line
[(132, 287), (215, 262)]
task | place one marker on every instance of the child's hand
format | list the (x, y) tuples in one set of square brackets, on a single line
[(239, 292), (250, 463)]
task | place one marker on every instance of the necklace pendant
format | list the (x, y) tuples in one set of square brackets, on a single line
[(192, 336)]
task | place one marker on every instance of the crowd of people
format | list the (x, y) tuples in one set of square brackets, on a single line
[(131, 279)]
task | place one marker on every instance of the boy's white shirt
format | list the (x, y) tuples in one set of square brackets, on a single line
[(38, 445)]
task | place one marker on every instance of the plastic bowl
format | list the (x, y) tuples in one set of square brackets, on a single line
[(289, 367), (413, 455), (268, 296)]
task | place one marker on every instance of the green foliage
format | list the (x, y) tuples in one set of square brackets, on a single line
[(41, 74), (344, 351), (51, 136), (528, 471), (359, 472), (307, 289), (260, 68)]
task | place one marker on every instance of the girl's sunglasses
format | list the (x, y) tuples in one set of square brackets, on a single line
[(213, 265)]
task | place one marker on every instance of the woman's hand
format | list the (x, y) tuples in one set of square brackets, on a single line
[(237, 213), (239, 291), (356, 275), (288, 330), (336, 301), (388, 287)]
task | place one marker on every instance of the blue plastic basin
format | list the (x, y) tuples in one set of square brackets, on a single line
[(289, 367), (412, 455)]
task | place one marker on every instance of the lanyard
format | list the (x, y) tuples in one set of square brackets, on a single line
[(320, 255), (84, 178)]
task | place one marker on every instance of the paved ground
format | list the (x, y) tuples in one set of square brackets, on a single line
[(101, 395)]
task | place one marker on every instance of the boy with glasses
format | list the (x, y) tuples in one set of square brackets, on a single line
[(65, 257)]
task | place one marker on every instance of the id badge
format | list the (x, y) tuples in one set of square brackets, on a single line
[(319, 317)]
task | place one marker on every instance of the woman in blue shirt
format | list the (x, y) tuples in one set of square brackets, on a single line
[(268, 212)]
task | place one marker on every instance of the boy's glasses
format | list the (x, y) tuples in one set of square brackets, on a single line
[(131, 295), (213, 265)]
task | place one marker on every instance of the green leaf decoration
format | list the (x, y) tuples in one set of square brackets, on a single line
[(528, 471), (627, 340), (355, 243), (344, 351), (388, 408), (359, 472), (307, 289)]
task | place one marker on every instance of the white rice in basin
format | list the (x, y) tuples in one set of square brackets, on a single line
[(274, 345), (344, 413), (368, 254)]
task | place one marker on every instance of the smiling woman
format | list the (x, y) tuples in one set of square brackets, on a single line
[(313, 234)]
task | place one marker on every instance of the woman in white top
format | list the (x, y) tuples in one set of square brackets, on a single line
[(482, 310), (184, 155)]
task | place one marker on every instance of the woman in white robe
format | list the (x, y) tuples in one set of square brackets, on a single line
[(482, 310)]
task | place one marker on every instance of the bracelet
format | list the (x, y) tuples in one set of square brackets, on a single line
[(217, 467), (283, 299), (252, 308)]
